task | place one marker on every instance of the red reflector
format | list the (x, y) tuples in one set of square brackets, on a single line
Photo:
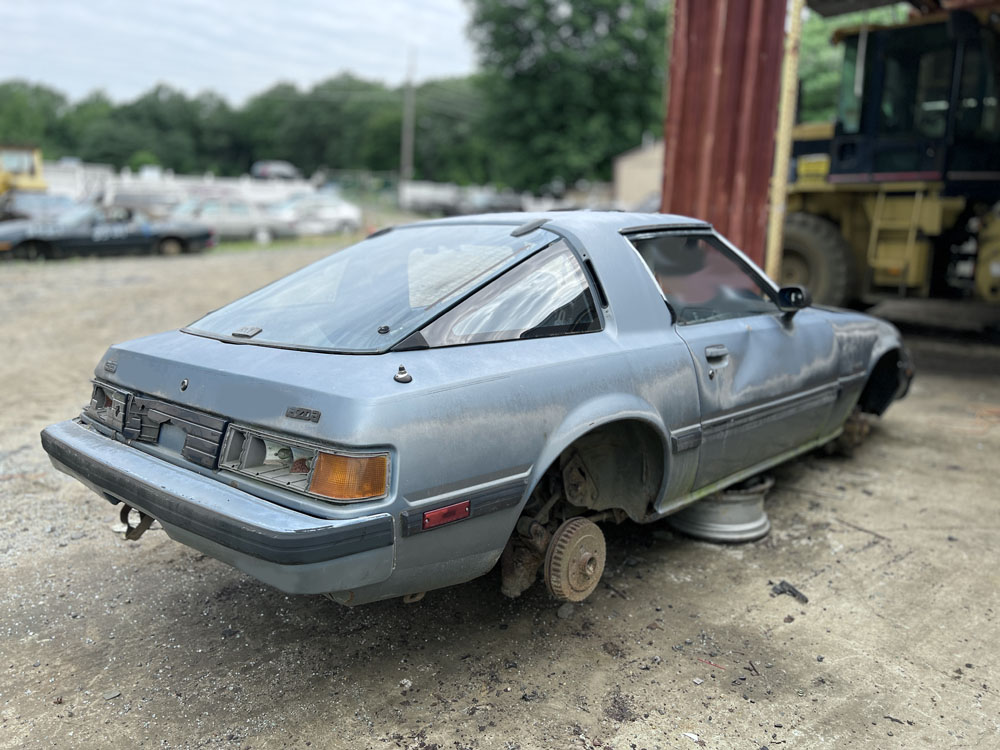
[(447, 514)]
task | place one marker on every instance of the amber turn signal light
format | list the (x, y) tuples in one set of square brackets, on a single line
[(341, 477)]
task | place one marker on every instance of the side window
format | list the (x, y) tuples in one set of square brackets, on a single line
[(546, 295), (977, 103), (700, 280), (917, 82)]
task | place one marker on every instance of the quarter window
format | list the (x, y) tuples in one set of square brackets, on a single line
[(700, 280), (546, 295)]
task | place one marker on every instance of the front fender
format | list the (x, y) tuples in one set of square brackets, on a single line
[(887, 339)]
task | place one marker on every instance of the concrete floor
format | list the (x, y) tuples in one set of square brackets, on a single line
[(106, 643)]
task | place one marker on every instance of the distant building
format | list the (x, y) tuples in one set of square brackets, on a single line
[(638, 176)]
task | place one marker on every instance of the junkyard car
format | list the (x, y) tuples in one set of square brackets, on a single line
[(232, 218), (398, 416), (319, 213), (92, 230)]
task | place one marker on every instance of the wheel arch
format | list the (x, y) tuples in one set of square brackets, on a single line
[(182, 241), (46, 249), (883, 381), (613, 434)]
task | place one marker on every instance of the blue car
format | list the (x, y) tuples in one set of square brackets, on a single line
[(405, 413)]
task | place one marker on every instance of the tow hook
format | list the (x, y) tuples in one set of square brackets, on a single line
[(132, 533)]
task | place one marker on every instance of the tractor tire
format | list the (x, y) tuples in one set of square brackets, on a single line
[(816, 255)]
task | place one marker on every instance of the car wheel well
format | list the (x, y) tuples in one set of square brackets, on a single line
[(882, 384), (171, 245), (33, 249), (615, 467), (613, 472)]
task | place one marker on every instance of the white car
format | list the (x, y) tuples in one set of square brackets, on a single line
[(319, 213), (234, 219)]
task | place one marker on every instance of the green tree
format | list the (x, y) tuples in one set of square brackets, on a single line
[(142, 158), (451, 141), (79, 117), (568, 85), (30, 114)]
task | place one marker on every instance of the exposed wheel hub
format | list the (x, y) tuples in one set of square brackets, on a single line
[(574, 561)]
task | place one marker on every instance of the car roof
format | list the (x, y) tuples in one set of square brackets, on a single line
[(638, 302), (577, 221)]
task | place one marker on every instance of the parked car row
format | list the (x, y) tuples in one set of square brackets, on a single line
[(93, 230), (234, 218), (42, 226)]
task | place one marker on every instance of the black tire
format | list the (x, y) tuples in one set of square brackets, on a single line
[(816, 255), (171, 246), (31, 250)]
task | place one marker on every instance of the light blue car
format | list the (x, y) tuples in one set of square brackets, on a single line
[(405, 413)]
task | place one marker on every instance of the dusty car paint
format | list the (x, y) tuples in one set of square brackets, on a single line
[(483, 423)]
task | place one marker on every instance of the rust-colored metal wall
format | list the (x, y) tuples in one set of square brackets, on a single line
[(725, 75)]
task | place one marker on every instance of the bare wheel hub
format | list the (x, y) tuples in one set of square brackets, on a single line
[(574, 561)]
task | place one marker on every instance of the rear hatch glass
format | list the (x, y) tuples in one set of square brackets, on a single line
[(370, 296)]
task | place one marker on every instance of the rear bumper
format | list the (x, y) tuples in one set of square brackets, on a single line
[(293, 551)]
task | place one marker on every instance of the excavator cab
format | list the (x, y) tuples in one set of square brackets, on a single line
[(900, 196), (920, 103)]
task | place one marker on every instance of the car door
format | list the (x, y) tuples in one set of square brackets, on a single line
[(213, 214), (86, 231), (767, 380), (116, 231)]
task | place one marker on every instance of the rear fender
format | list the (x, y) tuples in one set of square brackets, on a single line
[(591, 415)]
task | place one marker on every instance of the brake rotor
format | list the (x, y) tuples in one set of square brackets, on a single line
[(574, 561)]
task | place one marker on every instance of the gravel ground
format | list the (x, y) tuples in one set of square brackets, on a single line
[(107, 643)]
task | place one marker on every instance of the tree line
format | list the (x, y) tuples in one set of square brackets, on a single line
[(563, 88)]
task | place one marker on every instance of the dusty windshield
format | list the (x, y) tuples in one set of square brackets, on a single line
[(367, 298)]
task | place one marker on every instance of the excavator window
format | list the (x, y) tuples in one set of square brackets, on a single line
[(916, 83), (977, 114)]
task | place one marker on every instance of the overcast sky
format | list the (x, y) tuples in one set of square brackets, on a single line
[(234, 47)]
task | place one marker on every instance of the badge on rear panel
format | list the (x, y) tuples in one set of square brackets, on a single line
[(298, 412)]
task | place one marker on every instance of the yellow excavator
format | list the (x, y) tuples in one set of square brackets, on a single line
[(900, 197), (20, 171)]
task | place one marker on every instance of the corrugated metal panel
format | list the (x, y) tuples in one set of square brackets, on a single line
[(725, 74)]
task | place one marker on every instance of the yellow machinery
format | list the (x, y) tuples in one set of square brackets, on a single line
[(20, 169), (901, 195)]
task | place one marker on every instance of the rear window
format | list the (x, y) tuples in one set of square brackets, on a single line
[(368, 297)]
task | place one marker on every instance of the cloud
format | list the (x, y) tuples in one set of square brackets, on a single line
[(235, 49)]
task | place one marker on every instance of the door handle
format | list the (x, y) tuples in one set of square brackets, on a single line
[(716, 352)]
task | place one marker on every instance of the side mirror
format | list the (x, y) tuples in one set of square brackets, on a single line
[(791, 299)]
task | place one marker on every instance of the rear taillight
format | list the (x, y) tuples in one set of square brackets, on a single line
[(108, 405), (342, 476)]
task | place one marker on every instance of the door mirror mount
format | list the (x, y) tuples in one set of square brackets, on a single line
[(791, 299)]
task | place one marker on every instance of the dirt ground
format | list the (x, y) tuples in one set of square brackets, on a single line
[(108, 643)]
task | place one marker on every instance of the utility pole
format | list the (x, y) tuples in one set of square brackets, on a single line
[(406, 138)]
